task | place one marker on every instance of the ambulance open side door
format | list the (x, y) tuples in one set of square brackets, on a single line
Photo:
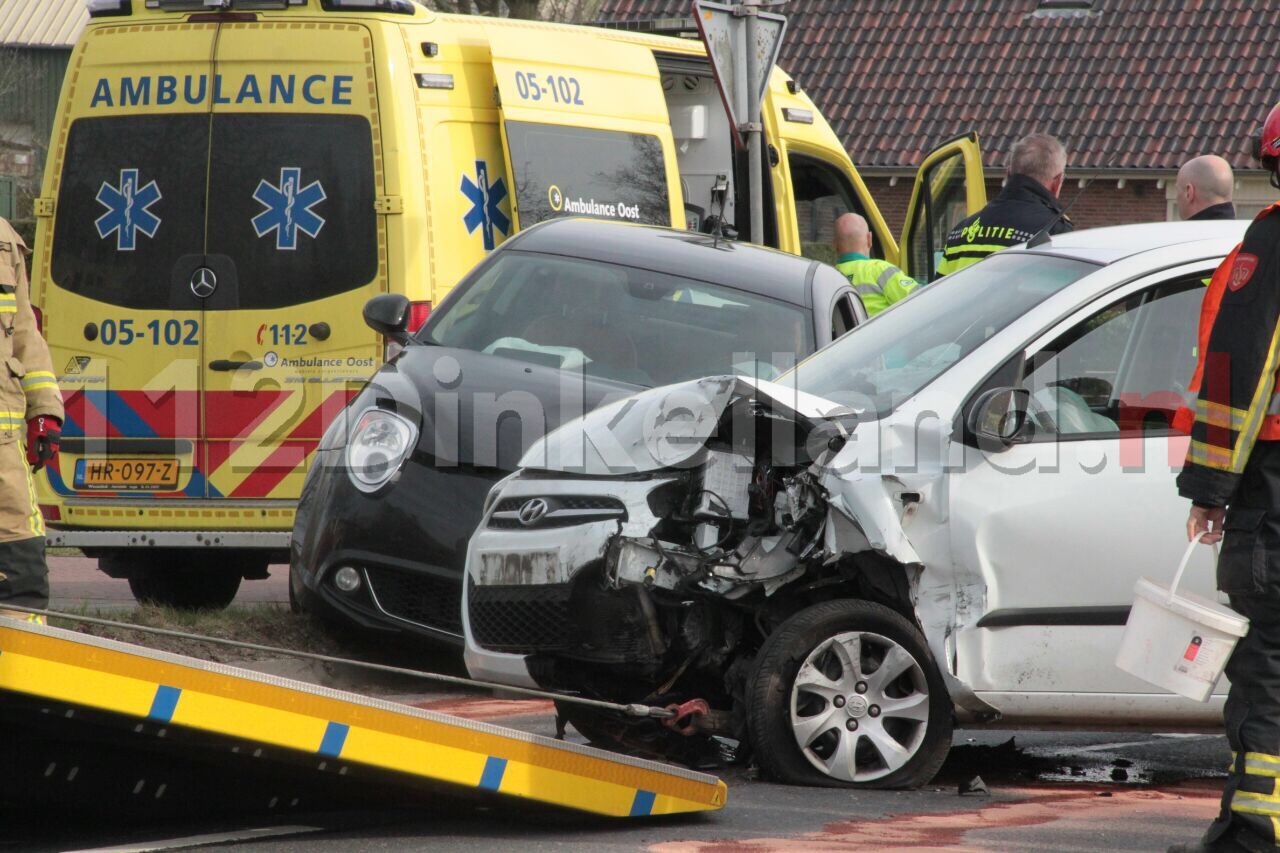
[(585, 130), (949, 186)]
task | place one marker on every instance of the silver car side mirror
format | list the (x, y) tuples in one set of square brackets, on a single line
[(1000, 418)]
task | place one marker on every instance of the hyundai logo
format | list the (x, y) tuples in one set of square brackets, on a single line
[(531, 512), (203, 283)]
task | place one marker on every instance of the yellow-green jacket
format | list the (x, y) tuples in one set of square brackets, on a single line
[(878, 283)]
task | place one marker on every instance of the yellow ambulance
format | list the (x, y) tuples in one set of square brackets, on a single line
[(230, 180)]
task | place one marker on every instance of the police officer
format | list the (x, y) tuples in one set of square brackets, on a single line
[(1232, 476), (878, 283), (1027, 204), (30, 402)]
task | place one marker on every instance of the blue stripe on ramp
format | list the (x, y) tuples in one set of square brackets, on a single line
[(164, 703), (642, 805), (494, 769), (335, 737)]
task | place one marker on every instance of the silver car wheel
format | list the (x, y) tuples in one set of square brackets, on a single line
[(859, 707)]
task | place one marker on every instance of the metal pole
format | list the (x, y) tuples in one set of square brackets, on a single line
[(754, 159), (740, 86)]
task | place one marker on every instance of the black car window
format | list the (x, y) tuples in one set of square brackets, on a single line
[(576, 171), (617, 322)]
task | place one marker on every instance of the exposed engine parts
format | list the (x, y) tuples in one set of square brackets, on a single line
[(741, 526)]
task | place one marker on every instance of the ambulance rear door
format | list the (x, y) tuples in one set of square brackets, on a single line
[(296, 245), (127, 194), (949, 186), (585, 129)]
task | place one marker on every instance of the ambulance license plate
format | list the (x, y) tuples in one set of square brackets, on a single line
[(152, 473)]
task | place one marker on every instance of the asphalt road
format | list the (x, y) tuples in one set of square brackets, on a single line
[(1045, 791)]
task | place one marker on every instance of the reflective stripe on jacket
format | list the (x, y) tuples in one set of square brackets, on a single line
[(878, 283), (1022, 209)]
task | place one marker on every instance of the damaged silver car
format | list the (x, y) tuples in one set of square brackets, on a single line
[(937, 519)]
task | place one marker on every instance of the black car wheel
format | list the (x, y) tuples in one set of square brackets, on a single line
[(846, 694)]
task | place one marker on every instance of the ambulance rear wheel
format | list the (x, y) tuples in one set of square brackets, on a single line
[(189, 579), (212, 589)]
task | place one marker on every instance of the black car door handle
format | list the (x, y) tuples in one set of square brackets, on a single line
[(226, 364)]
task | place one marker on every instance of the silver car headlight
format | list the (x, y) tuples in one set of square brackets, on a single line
[(380, 442)]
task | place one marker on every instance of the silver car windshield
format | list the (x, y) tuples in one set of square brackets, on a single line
[(622, 323), (900, 351)]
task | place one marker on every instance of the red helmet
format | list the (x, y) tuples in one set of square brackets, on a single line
[(1266, 146)]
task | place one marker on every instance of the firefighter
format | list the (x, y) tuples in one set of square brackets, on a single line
[(1232, 476), (878, 283), (30, 403), (1204, 188), (1027, 204)]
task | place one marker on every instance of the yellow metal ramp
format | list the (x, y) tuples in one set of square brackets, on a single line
[(68, 694)]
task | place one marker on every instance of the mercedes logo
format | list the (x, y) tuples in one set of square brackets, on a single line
[(203, 283), (532, 512)]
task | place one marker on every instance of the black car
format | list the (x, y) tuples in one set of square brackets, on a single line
[(561, 318)]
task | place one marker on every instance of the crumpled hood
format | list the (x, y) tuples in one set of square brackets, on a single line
[(663, 427)]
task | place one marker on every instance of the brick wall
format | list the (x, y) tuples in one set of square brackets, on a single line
[(1102, 203)]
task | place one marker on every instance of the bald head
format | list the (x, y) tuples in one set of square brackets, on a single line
[(1203, 182), (852, 234)]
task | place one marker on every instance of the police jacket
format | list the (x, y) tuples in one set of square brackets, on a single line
[(1237, 404), (1226, 210), (878, 283), (1023, 208)]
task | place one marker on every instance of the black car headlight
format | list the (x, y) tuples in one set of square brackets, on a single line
[(380, 442)]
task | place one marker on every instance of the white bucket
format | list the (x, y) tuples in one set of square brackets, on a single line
[(1180, 642)]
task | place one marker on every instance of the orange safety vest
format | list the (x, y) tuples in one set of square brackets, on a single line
[(1185, 417)]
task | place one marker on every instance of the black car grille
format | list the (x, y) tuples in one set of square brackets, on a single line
[(605, 626), (564, 511), (417, 597), (519, 619)]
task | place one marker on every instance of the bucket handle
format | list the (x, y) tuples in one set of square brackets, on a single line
[(1186, 558)]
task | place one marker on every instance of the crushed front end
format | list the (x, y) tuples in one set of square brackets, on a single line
[(660, 577)]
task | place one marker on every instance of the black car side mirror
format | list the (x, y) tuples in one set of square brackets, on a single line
[(388, 315), (1000, 418)]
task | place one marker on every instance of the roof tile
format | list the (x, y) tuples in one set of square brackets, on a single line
[(1134, 84)]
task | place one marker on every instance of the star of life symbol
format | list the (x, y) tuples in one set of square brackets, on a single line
[(127, 210), (485, 198), (288, 208)]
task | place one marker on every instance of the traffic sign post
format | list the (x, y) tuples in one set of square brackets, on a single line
[(743, 43)]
